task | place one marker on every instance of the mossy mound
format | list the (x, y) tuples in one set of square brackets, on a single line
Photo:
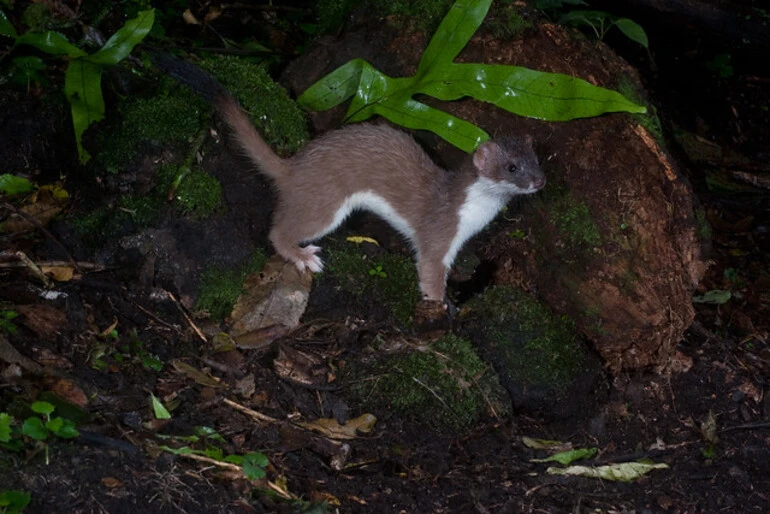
[(444, 387), (539, 357), (389, 278)]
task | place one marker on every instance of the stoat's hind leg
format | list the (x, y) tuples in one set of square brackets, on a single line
[(303, 258)]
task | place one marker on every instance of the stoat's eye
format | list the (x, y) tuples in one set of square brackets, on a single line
[(513, 168)]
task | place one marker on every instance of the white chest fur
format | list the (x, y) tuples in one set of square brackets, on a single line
[(483, 200)]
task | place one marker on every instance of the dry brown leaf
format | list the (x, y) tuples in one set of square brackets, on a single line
[(197, 375), (70, 392), (329, 427), (276, 296), (59, 273)]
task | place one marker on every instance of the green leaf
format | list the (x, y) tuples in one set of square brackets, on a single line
[(67, 430), (33, 427), (54, 424), (6, 27), (633, 31), (12, 185), (254, 465), (5, 427), (454, 32), (570, 456), (623, 472), (334, 88), (51, 42), (13, 502), (42, 408), (713, 297), (547, 96), (125, 39), (83, 87), (159, 409), (535, 94)]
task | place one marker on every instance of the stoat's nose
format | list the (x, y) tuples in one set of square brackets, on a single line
[(538, 183)]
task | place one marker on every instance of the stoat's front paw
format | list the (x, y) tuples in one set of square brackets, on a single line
[(309, 260)]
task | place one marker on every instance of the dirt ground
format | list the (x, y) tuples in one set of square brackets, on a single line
[(709, 424)]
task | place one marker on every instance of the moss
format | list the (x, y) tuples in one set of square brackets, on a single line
[(424, 15), (160, 120), (278, 118), (37, 17), (648, 120), (507, 21), (533, 344), (703, 229), (573, 221), (445, 387), (220, 287), (199, 193), (390, 278)]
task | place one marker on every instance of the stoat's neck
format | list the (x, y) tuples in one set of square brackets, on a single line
[(482, 201)]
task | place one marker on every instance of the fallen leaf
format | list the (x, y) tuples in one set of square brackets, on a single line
[(59, 273), (197, 375), (568, 457), (276, 296), (622, 472), (545, 444), (362, 239), (70, 392), (329, 427)]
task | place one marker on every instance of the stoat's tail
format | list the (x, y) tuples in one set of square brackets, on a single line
[(229, 110)]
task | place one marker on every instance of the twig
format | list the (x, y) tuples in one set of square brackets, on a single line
[(256, 416), (44, 230), (35, 269), (189, 320)]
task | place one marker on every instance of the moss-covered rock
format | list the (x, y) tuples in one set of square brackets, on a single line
[(444, 387), (539, 357), (389, 278)]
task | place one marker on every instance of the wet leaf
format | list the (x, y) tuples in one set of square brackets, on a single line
[(83, 87), (13, 502), (622, 472), (50, 42), (633, 31), (570, 456), (254, 465), (548, 96), (6, 27), (125, 39)]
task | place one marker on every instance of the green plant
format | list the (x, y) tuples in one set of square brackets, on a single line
[(253, 464), (548, 96), (39, 428), (601, 22), (13, 502), (6, 321), (83, 77), (377, 271)]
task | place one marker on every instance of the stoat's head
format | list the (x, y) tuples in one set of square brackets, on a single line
[(511, 163)]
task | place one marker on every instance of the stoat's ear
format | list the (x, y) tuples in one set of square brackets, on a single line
[(484, 155)]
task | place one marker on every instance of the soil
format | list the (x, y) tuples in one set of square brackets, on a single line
[(710, 422)]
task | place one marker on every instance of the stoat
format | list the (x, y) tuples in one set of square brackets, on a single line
[(380, 169)]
